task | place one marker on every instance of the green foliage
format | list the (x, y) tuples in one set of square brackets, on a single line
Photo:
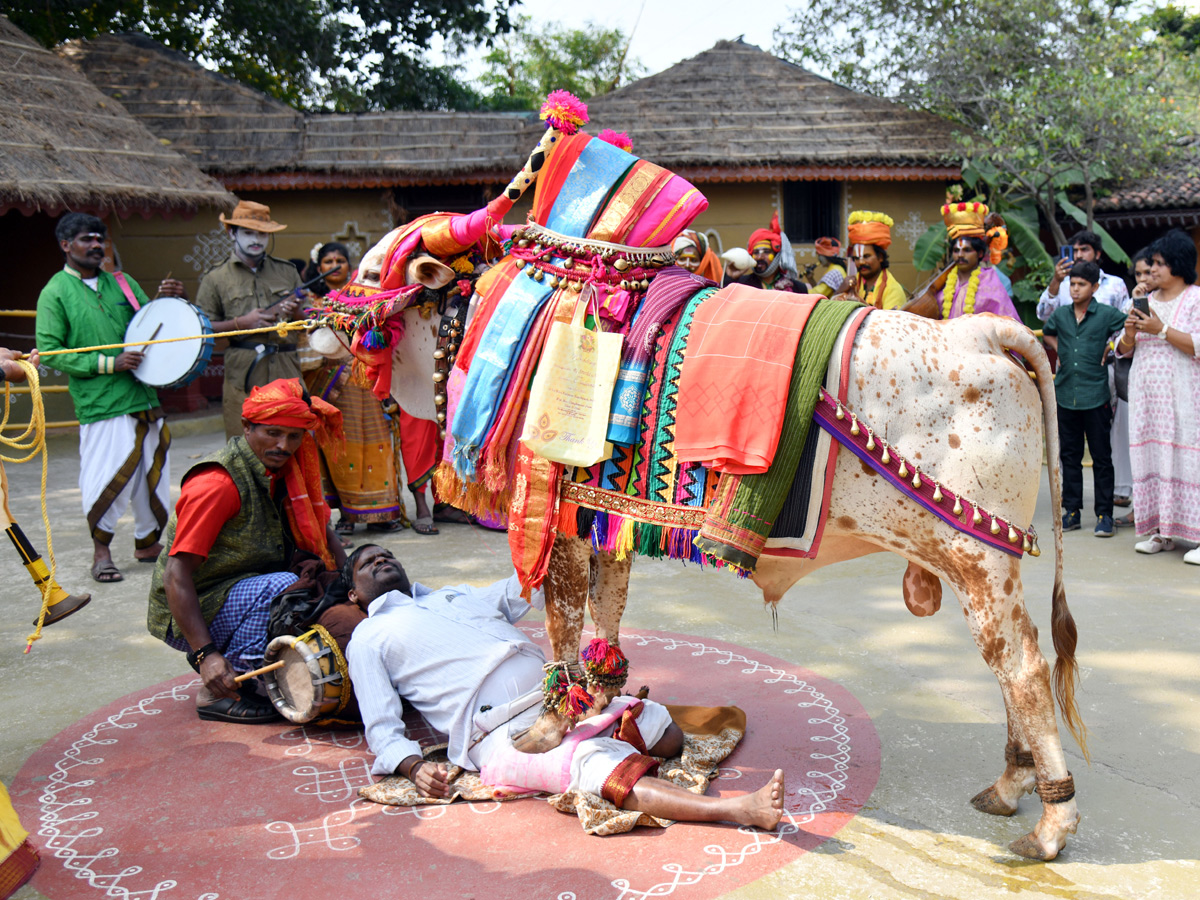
[(1058, 98), (318, 54), (930, 248), (528, 63)]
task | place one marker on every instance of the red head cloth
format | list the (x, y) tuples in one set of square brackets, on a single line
[(285, 403), (828, 246), (769, 235)]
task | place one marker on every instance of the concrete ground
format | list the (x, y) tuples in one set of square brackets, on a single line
[(935, 705)]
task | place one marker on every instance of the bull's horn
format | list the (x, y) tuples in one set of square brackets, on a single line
[(428, 271)]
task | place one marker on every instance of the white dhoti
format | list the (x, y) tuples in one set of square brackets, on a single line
[(125, 460), (1122, 468)]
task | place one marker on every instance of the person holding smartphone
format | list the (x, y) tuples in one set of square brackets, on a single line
[(1084, 247), (1162, 334)]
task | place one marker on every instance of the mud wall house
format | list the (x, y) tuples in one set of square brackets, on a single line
[(64, 145)]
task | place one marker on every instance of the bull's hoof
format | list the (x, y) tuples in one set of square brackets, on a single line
[(989, 801), (543, 735), (1030, 847)]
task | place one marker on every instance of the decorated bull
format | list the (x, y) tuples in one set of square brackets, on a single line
[(888, 433)]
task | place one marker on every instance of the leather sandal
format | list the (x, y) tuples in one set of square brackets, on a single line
[(240, 711), (106, 572)]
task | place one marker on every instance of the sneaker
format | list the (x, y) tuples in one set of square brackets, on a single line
[(1192, 556), (1071, 521), (1155, 544), (1104, 527)]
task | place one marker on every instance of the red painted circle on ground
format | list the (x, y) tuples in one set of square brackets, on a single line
[(142, 799)]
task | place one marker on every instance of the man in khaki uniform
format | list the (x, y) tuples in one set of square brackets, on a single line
[(251, 290)]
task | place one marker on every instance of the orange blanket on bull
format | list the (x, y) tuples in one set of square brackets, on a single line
[(733, 383)]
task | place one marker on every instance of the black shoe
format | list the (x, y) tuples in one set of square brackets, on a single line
[(240, 711), (1104, 527), (1071, 521)]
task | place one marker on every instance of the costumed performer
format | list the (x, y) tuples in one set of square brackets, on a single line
[(361, 471), (1164, 382), (229, 545), (693, 253), (870, 235), (251, 289), (774, 261), (973, 285), (61, 604), (833, 276), (452, 652), (123, 436)]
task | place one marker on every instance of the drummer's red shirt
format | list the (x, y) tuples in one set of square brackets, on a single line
[(208, 500)]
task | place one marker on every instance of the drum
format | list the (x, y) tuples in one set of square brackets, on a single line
[(313, 683), (177, 364)]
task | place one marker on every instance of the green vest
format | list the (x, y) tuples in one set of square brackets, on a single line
[(256, 541)]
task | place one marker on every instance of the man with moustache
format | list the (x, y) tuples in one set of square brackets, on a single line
[(251, 290), (123, 437), (241, 513)]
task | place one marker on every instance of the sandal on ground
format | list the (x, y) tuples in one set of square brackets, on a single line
[(70, 604), (106, 572), (239, 710), (1192, 556), (444, 512), (386, 527), (1155, 544), (424, 525), (346, 543), (150, 559), (1125, 521), (1122, 501), (343, 527)]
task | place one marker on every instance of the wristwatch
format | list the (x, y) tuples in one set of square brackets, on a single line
[(195, 657)]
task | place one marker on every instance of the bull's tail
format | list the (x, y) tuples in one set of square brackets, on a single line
[(1019, 339)]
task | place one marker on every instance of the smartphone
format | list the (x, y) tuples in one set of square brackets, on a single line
[(1142, 305), (1067, 252)]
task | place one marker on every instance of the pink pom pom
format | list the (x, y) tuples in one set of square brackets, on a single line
[(618, 139), (564, 111)]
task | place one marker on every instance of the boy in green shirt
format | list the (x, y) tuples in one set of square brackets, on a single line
[(1079, 333)]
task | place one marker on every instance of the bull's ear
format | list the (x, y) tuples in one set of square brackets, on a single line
[(428, 271)]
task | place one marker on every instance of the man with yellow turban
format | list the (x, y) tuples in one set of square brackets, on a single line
[(973, 285), (229, 544), (870, 235)]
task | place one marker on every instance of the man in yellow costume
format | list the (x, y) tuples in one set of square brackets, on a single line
[(870, 235)]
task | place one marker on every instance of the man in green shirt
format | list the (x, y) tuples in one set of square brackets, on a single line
[(1078, 333), (123, 438), (251, 290)]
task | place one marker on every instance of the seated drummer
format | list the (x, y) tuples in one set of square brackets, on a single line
[(455, 651), (229, 544)]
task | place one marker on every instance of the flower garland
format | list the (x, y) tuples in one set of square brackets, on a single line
[(952, 286)]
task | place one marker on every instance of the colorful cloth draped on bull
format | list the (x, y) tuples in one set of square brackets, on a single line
[(647, 500)]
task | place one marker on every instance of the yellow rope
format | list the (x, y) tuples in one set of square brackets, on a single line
[(281, 329), (32, 441)]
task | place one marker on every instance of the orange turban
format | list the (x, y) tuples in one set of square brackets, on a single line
[(870, 228), (767, 236), (284, 403)]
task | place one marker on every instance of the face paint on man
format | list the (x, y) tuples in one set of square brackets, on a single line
[(251, 245), (966, 257), (688, 258), (866, 262), (764, 255)]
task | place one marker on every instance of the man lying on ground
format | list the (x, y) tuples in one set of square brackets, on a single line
[(229, 545), (456, 657)]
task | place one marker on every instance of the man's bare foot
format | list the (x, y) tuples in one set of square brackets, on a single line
[(763, 808), (149, 555)]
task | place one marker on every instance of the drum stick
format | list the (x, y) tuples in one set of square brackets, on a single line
[(271, 668), (146, 347)]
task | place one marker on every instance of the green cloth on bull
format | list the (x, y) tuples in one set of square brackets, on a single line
[(745, 507)]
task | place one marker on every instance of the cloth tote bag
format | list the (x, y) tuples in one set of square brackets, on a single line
[(572, 391)]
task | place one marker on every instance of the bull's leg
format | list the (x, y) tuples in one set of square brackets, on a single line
[(566, 589), (605, 664), (1019, 778), (1008, 641)]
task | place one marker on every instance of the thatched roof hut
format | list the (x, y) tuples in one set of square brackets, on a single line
[(737, 113), (64, 144), (732, 113)]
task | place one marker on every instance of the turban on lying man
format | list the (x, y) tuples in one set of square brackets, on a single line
[(286, 404)]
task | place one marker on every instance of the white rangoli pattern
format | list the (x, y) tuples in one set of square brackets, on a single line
[(83, 851), (210, 250), (912, 228)]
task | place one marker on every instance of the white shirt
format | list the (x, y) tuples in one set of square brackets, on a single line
[(435, 649), (1112, 290)]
